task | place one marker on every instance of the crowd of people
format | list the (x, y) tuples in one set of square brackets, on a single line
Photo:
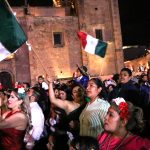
[(84, 113)]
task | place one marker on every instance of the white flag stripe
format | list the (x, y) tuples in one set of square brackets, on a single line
[(91, 44), (3, 52)]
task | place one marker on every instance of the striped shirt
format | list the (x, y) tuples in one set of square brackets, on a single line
[(92, 118)]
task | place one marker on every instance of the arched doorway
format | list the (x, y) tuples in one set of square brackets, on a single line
[(6, 79)]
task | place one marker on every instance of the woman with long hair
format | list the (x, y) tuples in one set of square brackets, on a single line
[(13, 123)]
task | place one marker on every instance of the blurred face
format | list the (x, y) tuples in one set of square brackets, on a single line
[(13, 101), (92, 90), (32, 98), (78, 73), (62, 95), (30, 92), (75, 92), (40, 80), (124, 77), (56, 92), (145, 78), (112, 120)]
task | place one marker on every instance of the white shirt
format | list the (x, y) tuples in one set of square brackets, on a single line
[(37, 118), (44, 85)]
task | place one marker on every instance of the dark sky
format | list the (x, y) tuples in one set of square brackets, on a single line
[(134, 18), (135, 21)]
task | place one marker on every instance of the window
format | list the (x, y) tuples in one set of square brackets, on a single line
[(58, 39), (98, 33)]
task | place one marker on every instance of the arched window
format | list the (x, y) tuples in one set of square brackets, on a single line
[(6, 79)]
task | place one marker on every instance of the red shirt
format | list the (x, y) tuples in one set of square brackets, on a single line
[(132, 142)]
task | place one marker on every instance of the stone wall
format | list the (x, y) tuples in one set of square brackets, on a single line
[(40, 23), (44, 57), (104, 15)]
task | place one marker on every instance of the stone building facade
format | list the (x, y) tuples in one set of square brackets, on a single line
[(139, 65), (55, 46)]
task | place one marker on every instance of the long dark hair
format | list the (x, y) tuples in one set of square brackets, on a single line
[(99, 83), (64, 87)]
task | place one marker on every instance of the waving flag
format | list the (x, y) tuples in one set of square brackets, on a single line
[(92, 45), (12, 35)]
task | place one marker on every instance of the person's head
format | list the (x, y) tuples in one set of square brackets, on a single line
[(30, 91), (84, 143), (56, 92), (125, 75), (95, 88), (81, 71), (26, 86), (64, 92), (16, 98), (40, 79), (56, 88), (124, 116), (143, 78), (78, 93), (116, 78), (34, 97)]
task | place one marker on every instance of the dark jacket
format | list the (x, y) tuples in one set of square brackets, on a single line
[(129, 91)]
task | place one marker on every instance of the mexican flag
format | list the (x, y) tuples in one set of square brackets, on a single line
[(92, 45), (12, 35)]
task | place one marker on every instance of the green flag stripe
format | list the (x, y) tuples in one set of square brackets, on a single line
[(100, 48), (12, 35)]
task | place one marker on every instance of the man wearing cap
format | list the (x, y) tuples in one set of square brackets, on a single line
[(81, 76)]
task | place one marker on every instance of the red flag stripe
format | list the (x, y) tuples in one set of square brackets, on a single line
[(82, 36)]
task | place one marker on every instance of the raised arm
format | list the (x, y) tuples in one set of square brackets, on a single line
[(57, 102)]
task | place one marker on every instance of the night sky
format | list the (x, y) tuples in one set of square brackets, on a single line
[(135, 21), (134, 17)]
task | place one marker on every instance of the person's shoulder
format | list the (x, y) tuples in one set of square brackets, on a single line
[(102, 101), (36, 107), (104, 105), (138, 141), (20, 115)]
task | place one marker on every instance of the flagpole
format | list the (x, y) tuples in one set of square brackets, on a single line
[(8, 6), (77, 12), (10, 9), (46, 71)]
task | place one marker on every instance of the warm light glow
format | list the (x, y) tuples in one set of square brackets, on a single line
[(57, 3), (11, 56), (63, 75), (127, 61), (133, 46), (29, 46), (109, 42)]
